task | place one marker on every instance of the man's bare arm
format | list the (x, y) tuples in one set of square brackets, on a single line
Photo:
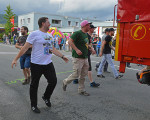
[(59, 54), (102, 47)]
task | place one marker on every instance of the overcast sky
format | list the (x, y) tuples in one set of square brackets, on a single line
[(99, 9)]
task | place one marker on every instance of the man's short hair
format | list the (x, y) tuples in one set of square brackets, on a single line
[(106, 30), (25, 28), (41, 20)]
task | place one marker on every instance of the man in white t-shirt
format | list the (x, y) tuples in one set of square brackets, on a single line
[(41, 63)]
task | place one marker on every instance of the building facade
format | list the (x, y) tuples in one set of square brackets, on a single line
[(64, 23)]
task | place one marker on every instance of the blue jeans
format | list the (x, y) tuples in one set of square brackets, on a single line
[(64, 47), (108, 58), (25, 61), (14, 42), (9, 41), (97, 51), (4, 41)]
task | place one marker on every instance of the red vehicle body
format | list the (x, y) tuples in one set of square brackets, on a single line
[(133, 32)]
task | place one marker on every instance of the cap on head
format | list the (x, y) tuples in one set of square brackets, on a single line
[(84, 23), (111, 29), (92, 26)]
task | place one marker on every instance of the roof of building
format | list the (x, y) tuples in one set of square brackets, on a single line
[(104, 24), (90, 19), (69, 29)]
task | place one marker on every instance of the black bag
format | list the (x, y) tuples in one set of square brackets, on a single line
[(144, 78), (98, 64)]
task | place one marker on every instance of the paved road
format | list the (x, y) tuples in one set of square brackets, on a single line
[(123, 99)]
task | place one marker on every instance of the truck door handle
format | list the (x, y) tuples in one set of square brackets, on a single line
[(140, 59)]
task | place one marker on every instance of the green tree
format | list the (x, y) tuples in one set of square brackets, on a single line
[(9, 14)]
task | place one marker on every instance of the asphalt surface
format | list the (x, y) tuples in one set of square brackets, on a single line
[(122, 99)]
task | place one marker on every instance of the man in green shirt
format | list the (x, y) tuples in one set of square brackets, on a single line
[(79, 43)]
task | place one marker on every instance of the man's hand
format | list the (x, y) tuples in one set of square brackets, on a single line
[(78, 52), (113, 48), (13, 62), (65, 59), (93, 51), (100, 54), (20, 47)]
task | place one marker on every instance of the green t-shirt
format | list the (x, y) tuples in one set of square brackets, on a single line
[(81, 42)]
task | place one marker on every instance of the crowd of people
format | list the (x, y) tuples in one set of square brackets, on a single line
[(42, 44), (61, 43), (7, 39), (39, 60)]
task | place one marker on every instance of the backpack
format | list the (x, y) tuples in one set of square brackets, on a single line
[(144, 78)]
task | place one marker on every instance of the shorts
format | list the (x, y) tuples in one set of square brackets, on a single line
[(25, 61)]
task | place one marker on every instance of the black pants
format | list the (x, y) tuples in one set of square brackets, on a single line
[(127, 64), (36, 73), (94, 46), (89, 61), (60, 46)]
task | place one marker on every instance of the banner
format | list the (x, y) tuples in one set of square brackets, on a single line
[(12, 22)]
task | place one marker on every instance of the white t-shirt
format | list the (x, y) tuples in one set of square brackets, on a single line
[(103, 37), (41, 43)]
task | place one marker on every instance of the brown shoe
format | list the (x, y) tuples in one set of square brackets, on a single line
[(25, 82), (64, 86), (84, 93), (29, 79)]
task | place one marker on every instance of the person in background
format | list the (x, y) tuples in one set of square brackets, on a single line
[(14, 39), (64, 45), (103, 38), (106, 53), (62, 42), (4, 38), (128, 65), (114, 45), (94, 42), (59, 43), (26, 57), (56, 40), (9, 38), (98, 46), (106, 63)]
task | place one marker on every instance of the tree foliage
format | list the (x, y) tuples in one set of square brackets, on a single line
[(8, 15)]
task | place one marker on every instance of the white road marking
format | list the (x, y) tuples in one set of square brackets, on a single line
[(7, 45), (118, 66), (8, 53)]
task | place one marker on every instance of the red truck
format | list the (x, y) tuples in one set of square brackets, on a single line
[(133, 33)]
